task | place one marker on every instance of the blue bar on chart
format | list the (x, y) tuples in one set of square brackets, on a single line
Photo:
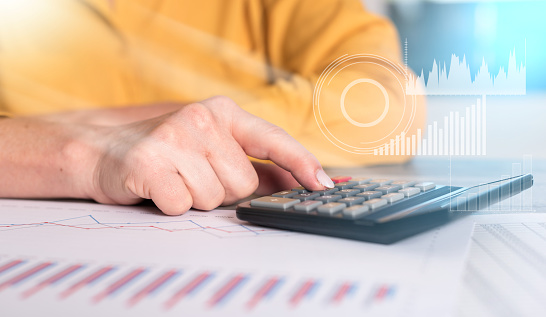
[(188, 289), (228, 289), (52, 280), (152, 287), (303, 292), (265, 291), (116, 286), (95, 276), (343, 291), (25, 275)]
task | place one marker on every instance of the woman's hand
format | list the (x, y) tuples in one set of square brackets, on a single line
[(197, 157)]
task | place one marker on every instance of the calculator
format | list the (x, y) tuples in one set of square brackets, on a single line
[(378, 210)]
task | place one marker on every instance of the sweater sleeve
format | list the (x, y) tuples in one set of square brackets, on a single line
[(302, 39)]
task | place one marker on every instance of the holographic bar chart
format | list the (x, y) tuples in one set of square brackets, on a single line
[(462, 134)]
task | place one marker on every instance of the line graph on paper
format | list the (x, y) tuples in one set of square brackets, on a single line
[(88, 222), (216, 224)]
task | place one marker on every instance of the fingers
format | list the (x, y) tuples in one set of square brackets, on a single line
[(264, 140), (273, 179), (169, 192), (205, 188), (234, 170)]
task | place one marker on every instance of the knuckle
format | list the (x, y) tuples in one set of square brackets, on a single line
[(222, 101), (166, 132), (175, 201), (249, 185), (211, 201), (200, 116), (246, 186)]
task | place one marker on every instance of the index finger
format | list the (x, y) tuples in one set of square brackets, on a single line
[(263, 140)]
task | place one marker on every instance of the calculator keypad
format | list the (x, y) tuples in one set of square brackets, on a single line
[(351, 198)]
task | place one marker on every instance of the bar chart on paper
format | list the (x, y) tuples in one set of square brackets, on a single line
[(183, 289), (85, 259), (459, 134)]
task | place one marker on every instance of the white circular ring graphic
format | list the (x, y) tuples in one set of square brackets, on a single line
[(369, 81)]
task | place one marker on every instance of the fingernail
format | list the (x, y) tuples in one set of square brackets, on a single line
[(324, 180)]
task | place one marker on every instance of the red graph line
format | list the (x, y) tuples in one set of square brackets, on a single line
[(104, 226)]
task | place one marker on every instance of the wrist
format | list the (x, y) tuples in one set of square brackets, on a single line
[(81, 153)]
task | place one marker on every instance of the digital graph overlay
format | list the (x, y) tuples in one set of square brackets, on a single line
[(522, 202), (89, 222), (359, 95), (461, 134), (183, 288), (459, 80)]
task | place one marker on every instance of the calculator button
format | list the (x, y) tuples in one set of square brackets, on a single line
[(424, 186), (403, 184), (376, 203), (274, 202), (345, 185), (393, 197), (410, 191), (366, 187), (361, 180), (307, 205), (387, 189), (356, 211), (341, 179), (299, 190), (306, 196), (381, 181), (328, 191), (330, 208), (350, 201), (347, 192), (285, 194), (370, 195), (328, 198)]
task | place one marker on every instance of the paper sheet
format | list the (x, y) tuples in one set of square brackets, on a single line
[(85, 259), (505, 275)]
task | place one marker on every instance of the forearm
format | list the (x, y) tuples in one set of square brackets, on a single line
[(114, 116), (41, 159)]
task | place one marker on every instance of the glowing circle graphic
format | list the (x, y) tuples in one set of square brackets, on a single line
[(370, 81), (362, 118)]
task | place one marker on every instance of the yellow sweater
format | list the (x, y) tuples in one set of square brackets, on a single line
[(59, 55)]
